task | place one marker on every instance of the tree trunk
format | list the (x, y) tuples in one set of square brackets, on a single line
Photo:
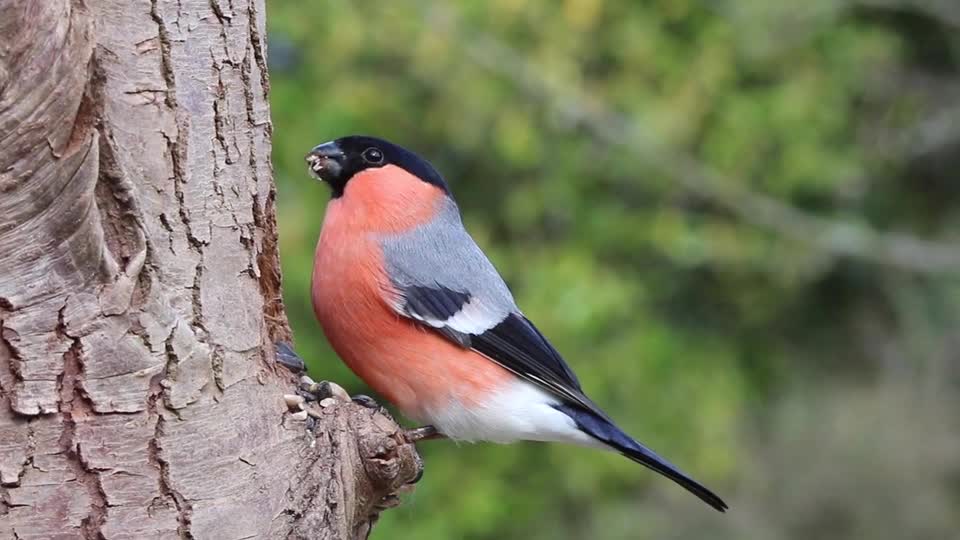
[(140, 290)]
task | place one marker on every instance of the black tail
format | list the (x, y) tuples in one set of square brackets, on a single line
[(606, 432)]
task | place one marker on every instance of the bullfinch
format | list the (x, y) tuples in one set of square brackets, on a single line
[(413, 306)]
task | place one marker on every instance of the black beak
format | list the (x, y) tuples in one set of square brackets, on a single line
[(326, 162)]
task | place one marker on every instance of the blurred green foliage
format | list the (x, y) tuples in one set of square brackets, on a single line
[(707, 326)]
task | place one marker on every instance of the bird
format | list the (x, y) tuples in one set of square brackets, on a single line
[(412, 305)]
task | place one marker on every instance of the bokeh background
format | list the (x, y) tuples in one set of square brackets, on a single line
[(739, 221)]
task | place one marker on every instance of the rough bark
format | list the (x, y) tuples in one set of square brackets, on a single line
[(140, 289)]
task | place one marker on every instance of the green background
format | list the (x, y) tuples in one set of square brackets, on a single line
[(737, 221)]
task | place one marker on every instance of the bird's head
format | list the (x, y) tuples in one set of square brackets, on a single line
[(337, 162)]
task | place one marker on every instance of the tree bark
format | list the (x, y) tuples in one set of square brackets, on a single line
[(140, 290)]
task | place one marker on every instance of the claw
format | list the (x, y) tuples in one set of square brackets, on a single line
[(287, 358), (366, 401)]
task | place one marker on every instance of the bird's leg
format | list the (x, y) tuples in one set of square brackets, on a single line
[(423, 433), (318, 391)]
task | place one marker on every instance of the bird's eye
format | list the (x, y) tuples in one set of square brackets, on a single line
[(373, 156)]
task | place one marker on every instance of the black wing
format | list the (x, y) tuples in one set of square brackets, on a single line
[(434, 307), (509, 339)]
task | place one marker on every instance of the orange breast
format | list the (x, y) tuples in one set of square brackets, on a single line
[(411, 366)]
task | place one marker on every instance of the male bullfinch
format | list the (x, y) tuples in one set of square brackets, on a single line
[(415, 309)]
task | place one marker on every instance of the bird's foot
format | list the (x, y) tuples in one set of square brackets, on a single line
[(366, 401), (288, 358), (423, 433)]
